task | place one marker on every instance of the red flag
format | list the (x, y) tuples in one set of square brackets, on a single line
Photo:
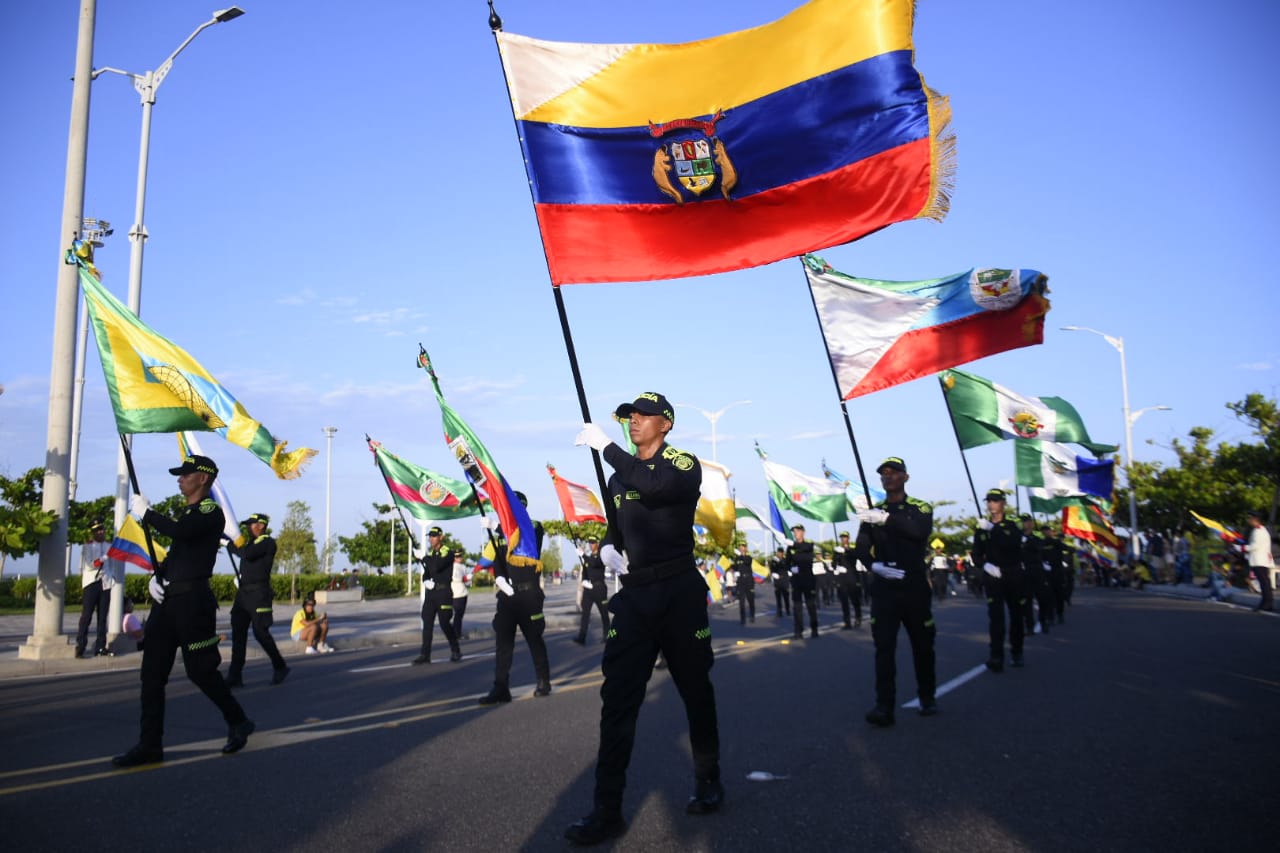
[(578, 503)]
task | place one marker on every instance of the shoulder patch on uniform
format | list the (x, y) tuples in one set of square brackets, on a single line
[(924, 506), (683, 461), (208, 505)]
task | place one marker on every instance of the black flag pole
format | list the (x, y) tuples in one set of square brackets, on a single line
[(942, 386), (146, 531), (848, 424), (495, 26)]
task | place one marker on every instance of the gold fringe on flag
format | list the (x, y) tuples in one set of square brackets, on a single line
[(942, 157), (287, 464)]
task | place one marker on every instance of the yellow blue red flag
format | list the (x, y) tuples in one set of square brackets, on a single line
[(130, 546), (655, 161)]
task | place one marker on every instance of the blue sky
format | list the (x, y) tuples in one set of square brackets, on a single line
[(329, 186)]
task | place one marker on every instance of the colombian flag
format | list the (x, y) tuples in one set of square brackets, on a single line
[(655, 161), (130, 546)]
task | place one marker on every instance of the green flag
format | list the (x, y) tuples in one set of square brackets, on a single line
[(421, 493), (985, 412)]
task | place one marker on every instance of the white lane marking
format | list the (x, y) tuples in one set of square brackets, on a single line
[(952, 684)]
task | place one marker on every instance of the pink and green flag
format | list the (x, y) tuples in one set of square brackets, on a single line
[(423, 494)]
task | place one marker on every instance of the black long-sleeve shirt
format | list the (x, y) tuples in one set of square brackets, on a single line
[(1001, 546), (902, 541), (196, 534), (256, 559), (655, 500)]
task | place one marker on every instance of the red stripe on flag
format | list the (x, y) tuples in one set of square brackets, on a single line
[(644, 242)]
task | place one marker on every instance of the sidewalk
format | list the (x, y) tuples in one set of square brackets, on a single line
[(352, 625)]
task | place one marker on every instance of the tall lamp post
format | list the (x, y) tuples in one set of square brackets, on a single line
[(713, 417), (1129, 419), (328, 489)]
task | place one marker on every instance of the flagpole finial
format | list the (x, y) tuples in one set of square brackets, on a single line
[(495, 22)]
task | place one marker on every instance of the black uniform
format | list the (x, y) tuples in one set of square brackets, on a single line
[(1001, 546), (900, 543), (1057, 557), (523, 610), (661, 608), (185, 620), (848, 584), (437, 604), (745, 588), (781, 586), (597, 595), (252, 606), (803, 587), (1037, 582)]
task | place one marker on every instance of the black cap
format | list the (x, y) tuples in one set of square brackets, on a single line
[(797, 527), (779, 550), (995, 495), (894, 462), (1257, 513), (648, 403), (523, 500), (1026, 517), (435, 531), (258, 518), (192, 464), (591, 540), (844, 534)]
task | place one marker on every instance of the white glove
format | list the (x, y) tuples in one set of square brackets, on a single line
[(504, 586), (156, 587), (420, 551), (428, 584), (138, 505), (991, 569), (842, 570), (984, 524), (490, 522), (235, 579), (614, 559), (839, 549), (1046, 567), (422, 593), (587, 585), (795, 570), (873, 516), (593, 436), (887, 572)]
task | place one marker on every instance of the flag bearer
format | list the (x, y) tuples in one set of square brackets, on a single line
[(252, 606), (848, 584), (781, 577), (746, 585), (437, 596), (997, 553), (1057, 557), (1034, 568), (804, 588), (595, 592), (893, 539), (184, 615), (661, 608)]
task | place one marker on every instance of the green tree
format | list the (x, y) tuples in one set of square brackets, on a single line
[(371, 547), (23, 521), (1263, 417), (296, 542)]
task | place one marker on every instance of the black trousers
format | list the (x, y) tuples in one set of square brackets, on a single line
[(594, 597), (1058, 583), (260, 620), (1005, 593), (668, 617), (93, 599), (184, 621), (782, 599), (438, 605), (746, 604), (900, 605), (522, 610), (1263, 574), (808, 596), (847, 591), (459, 608), (1044, 601)]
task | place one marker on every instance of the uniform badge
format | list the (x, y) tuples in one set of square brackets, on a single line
[(208, 505), (692, 158)]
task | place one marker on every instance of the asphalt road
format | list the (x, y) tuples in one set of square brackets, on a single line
[(1145, 723)]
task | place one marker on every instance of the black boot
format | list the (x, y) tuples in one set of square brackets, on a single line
[(707, 797), (596, 827), (496, 696), (543, 688), (881, 716), (238, 736), (139, 755)]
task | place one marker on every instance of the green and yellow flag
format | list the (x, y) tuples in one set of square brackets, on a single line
[(156, 386)]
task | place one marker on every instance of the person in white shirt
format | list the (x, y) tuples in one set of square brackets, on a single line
[(458, 586), (95, 584), (1260, 560)]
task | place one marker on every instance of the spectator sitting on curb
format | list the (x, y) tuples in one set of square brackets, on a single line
[(311, 627)]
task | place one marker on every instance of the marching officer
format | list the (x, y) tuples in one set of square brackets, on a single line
[(848, 585), (804, 588), (1057, 557), (746, 585), (1035, 569), (781, 578), (252, 606), (997, 553), (519, 604), (595, 592), (437, 596), (185, 614), (893, 539), (662, 608)]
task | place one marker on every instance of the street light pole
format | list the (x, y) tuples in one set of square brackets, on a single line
[(147, 84), (1129, 419), (46, 639), (328, 490), (714, 417)]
